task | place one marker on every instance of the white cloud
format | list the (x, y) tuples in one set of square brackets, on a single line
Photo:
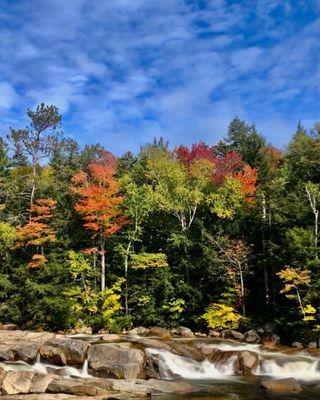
[(8, 95)]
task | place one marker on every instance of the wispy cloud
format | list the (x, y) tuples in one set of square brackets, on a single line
[(123, 71)]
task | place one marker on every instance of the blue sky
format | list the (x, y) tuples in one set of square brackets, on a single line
[(124, 71)]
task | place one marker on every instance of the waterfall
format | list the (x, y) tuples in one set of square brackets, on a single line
[(174, 365), (273, 364)]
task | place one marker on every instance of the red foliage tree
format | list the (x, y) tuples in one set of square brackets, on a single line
[(38, 231), (99, 202)]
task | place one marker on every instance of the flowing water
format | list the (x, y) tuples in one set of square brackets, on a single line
[(216, 381)]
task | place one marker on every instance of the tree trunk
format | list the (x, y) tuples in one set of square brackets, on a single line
[(264, 250), (103, 266), (33, 186), (242, 291)]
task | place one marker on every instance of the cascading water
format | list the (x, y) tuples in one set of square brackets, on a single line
[(273, 364), (174, 365)]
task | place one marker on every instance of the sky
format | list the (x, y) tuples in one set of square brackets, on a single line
[(125, 71)]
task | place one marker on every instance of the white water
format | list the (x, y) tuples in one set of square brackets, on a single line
[(273, 364), (44, 368), (172, 364)]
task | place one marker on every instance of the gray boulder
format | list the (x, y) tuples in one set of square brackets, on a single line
[(116, 361), (162, 333), (185, 332), (297, 345), (16, 382), (74, 350), (251, 337)]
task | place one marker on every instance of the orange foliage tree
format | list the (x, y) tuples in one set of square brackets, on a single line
[(99, 202), (38, 232)]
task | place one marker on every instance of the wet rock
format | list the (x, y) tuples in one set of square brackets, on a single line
[(231, 334), (251, 336), (16, 382), (162, 333), (288, 385), (270, 341), (115, 361), (248, 361), (185, 332), (52, 355), (297, 345), (74, 350), (140, 330)]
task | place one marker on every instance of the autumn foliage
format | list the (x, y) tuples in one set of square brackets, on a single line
[(38, 231), (99, 197)]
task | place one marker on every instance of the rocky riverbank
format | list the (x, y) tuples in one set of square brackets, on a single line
[(44, 365)]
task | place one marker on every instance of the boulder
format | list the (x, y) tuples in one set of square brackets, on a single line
[(8, 327), (214, 334), (251, 336), (312, 345), (288, 385), (116, 361), (140, 330), (185, 332), (25, 351), (40, 382), (74, 350), (269, 328), (248, 361), (200, 334), (16, 382), (231, 334), (2, 375), (111, 337), (6, 353), (270, 341), (297, 345), (52, 355), (61, 396), (162, 333), (79, 387)]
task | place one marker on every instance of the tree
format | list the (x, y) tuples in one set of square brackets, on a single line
[(38, 140), (138, 204), (221, 316), (293, 279), (313, 194), (100, 202), (38, 231), (178, 190)]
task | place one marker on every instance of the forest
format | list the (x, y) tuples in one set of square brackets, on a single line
[(205, 236)]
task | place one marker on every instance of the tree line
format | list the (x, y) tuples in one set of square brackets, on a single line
[(208, 236)]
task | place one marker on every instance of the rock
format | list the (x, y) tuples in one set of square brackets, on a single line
[(61, 396), (200, 334), (25, 352), (231, 334), (312, 345), (162, 333), (158, 386), (110, 337), (6, 353), (270, 341), (297, 345), (248, 360), (140, 330), (2, 375), (214, 334), (84, 330), (269, 328), (16, 382), (185, 332), (8, 327), (251, 337), (288, 385), (115, 361), (40, 382), (52, 355), (79, 387), (75, 350)]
